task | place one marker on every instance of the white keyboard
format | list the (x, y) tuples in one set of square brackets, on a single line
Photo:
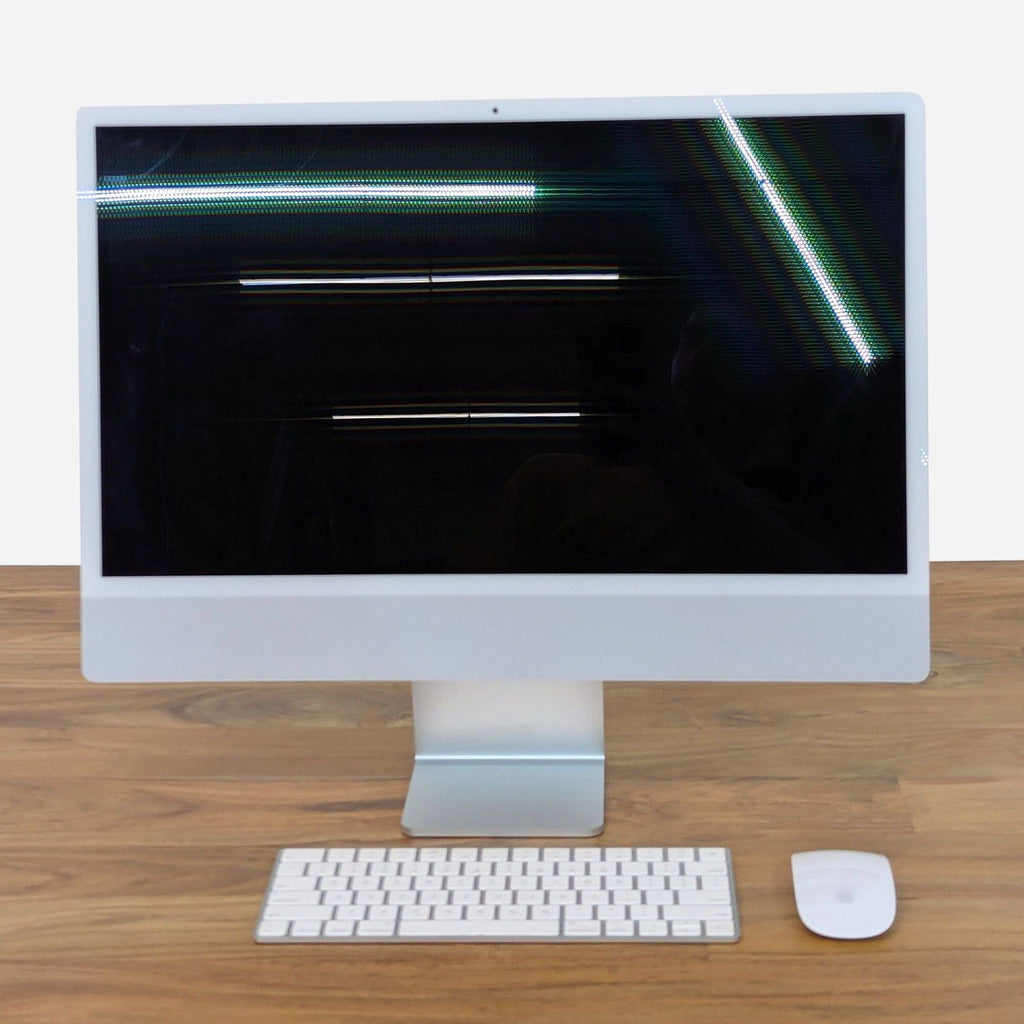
[(501, 894)]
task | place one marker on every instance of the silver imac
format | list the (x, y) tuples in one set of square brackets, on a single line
[(505, 399)]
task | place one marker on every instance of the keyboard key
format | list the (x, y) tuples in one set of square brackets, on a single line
[(652, 929), (341, 853), (619, 929), (583, 929), (500, 928), (274, 912), (302, 854), (686, 929), (375, 929), (715, 882), (416, 912), (720, 929), (295, 882), (339, 929), (295, 897), (270, 929), (715, 853), (448, 912)]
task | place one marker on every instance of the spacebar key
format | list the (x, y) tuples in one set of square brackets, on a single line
[(478, 929)]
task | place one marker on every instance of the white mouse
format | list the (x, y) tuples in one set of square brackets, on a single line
[(844, 894)]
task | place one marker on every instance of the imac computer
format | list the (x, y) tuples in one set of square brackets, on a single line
[(505, 399)]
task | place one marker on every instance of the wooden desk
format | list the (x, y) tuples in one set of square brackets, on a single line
[(138, 824)]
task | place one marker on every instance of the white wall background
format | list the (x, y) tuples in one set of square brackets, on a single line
[(964, 61)]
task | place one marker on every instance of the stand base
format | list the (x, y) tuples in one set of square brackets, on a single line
[(505, 798)]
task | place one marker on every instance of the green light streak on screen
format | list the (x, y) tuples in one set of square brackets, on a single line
[(808, 241), (211, 194)]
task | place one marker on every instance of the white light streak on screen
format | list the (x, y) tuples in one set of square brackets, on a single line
[(797, 237)]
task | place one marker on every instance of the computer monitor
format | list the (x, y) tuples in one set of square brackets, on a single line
[(505, 399)]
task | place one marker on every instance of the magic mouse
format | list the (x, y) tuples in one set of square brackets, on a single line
[(844, 894)]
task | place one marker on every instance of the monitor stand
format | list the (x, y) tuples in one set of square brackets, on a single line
[(507, 759)]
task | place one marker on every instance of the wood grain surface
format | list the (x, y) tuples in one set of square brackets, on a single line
[(138, 825)]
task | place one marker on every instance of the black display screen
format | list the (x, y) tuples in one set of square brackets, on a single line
[(583, 347)]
